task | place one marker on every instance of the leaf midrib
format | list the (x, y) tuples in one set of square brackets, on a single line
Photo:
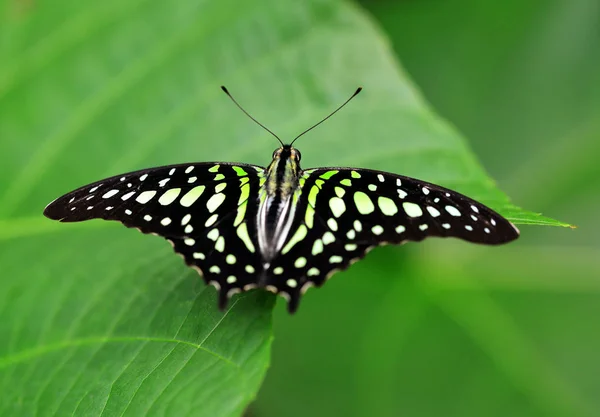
[(41, 350)]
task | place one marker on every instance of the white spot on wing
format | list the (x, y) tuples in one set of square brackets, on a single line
[(336, 259), (328, 238), (300, 262), (110, 193), (377, 230), (146, 196), (453, 211), (412, 209), (169, 196), (312, 272), (337, 206), (215, 202), (332, 224), (127, 196), (433, 211), (211, 220)]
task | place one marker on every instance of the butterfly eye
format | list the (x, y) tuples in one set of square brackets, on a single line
[(298, 155), (275, 153)]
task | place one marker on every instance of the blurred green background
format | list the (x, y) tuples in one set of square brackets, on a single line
[(436, 329), (511, 331)]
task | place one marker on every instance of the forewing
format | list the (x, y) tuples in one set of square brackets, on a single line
[(205, 210), (343, 212)]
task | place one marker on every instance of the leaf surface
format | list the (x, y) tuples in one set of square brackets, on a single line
[(104, 321)]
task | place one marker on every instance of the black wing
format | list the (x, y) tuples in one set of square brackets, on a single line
[(202, 209), (344, 212)]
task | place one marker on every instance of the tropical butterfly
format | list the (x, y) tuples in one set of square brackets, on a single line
[(280, 228)]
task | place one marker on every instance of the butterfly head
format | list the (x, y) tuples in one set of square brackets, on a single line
[(287, 152), (286, 162), (284, 170)]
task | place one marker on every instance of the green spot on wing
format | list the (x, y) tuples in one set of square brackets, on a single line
[(363, 203), (241, 213), (191, 196), (312, 195), (240, 171), (298, 236), (387, 206), (328, 174), (309, 216), (242, 232)]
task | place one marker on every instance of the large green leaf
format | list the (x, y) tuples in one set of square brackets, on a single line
[(104, 321), (454, 330)]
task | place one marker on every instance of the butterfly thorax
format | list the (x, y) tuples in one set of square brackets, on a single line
[(277, 201)]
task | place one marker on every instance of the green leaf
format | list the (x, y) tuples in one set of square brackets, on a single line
[(113, 323), (104, 321)]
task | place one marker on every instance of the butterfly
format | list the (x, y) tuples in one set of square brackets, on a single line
[(280, 228)]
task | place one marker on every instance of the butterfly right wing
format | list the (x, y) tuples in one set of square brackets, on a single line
[(205, 210), (344, 212)]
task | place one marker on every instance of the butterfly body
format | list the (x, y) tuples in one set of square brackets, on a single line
[(277, 201), (280, 228)]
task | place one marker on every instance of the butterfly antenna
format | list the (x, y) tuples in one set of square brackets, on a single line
[(248, 114), (358, 90)]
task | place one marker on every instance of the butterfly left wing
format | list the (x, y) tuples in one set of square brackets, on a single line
[(344, 212), (203, 209)]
